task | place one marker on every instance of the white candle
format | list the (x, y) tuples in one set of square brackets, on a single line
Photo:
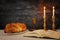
[(44, 11), (53, 10)]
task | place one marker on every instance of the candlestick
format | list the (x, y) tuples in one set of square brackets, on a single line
[(44, 18), (53, 19)]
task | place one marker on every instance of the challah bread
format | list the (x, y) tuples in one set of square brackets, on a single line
[(15, 27)]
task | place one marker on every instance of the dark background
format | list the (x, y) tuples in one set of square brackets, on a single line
[(25, 10)]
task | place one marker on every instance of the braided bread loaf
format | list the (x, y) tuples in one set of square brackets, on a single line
[(15, 28)]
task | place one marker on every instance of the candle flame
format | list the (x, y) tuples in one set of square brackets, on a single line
[(53, 7), (44, 7)]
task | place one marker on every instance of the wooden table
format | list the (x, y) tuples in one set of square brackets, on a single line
[(17, 36)]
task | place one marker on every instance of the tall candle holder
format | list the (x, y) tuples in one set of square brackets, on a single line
[(53, 19)]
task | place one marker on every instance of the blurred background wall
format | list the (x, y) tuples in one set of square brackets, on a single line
[(25, 10)]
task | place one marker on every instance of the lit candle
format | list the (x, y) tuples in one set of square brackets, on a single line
[(44, 18), (53, 19), (53, 10), (44, 11)]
